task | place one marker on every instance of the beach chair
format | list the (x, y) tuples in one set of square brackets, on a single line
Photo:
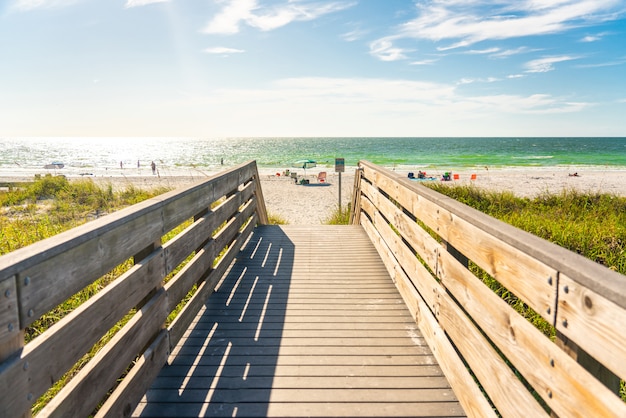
[(473, 177), (321, 177), (455, 176)]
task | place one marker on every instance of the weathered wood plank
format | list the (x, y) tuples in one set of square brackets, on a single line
[(320, 395), (86, 390), (181, 323), (474, 234), (26, 377), (306, 369), (507, 392), (179, 248), (321, 357), (313, 409), (595, 323), (128, 394), (470, 396), (283, 325), (564, 385), (508, 388), (9, 318), (356, 350), (202, 262)]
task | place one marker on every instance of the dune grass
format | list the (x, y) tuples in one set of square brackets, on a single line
[(339, 216), (592, 225)]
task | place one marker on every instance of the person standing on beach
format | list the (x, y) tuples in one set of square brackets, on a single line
[(153, 165)]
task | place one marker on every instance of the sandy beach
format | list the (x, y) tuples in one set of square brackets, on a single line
[(313, 204)]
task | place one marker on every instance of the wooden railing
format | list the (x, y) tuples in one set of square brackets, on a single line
[(495, 359), (220, 213)]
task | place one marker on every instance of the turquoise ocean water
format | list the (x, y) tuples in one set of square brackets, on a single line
[(23, 155)]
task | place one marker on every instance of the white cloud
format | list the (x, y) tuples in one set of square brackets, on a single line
[(364, 106), (384, 50), (483, 51), (372, 96), (590, 39), (237, 12), (137, 3), (354, 35), (223, 50), (462, 22), (424, 62), (510, 52), (543, 65), (478, 80)]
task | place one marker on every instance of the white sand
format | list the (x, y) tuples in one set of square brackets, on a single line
[(314, 204)]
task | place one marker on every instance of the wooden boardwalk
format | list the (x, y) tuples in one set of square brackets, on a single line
[(306, 323)]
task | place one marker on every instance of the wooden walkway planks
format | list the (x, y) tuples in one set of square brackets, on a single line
[(307, 323)]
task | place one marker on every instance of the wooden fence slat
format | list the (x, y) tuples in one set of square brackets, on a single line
[(203, 228), (188, 202), (467, 392), (84, 392), (420, 240), (37, 278), (595, 323), (29, 376), (49, 283), (181, 323), (420, 277), (563, 384), (130, 391), (202, 262), (589, 299), (9, 318), (501, 260), (507, 390)]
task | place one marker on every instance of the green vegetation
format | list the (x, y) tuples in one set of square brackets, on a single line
[(275, 219), (339, 216), (52, 204), (592, 225)]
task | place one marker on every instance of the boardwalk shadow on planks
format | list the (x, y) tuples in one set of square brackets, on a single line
[(228, 358)]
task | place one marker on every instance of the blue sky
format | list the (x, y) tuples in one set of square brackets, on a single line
[(312, 68)]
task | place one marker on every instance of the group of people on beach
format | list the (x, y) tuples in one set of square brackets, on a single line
[(152, 165)]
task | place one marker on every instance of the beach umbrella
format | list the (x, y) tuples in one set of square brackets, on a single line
[(304, 164)]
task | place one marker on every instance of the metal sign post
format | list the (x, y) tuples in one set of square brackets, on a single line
[(340, 167)]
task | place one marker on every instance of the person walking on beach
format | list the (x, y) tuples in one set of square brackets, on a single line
[(153, 165)]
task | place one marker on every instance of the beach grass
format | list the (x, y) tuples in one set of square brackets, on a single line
[(590, 224), (339, 216)]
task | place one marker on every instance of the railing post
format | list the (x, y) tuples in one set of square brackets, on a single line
[(11, 333), (355, 207), (260, 201)]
